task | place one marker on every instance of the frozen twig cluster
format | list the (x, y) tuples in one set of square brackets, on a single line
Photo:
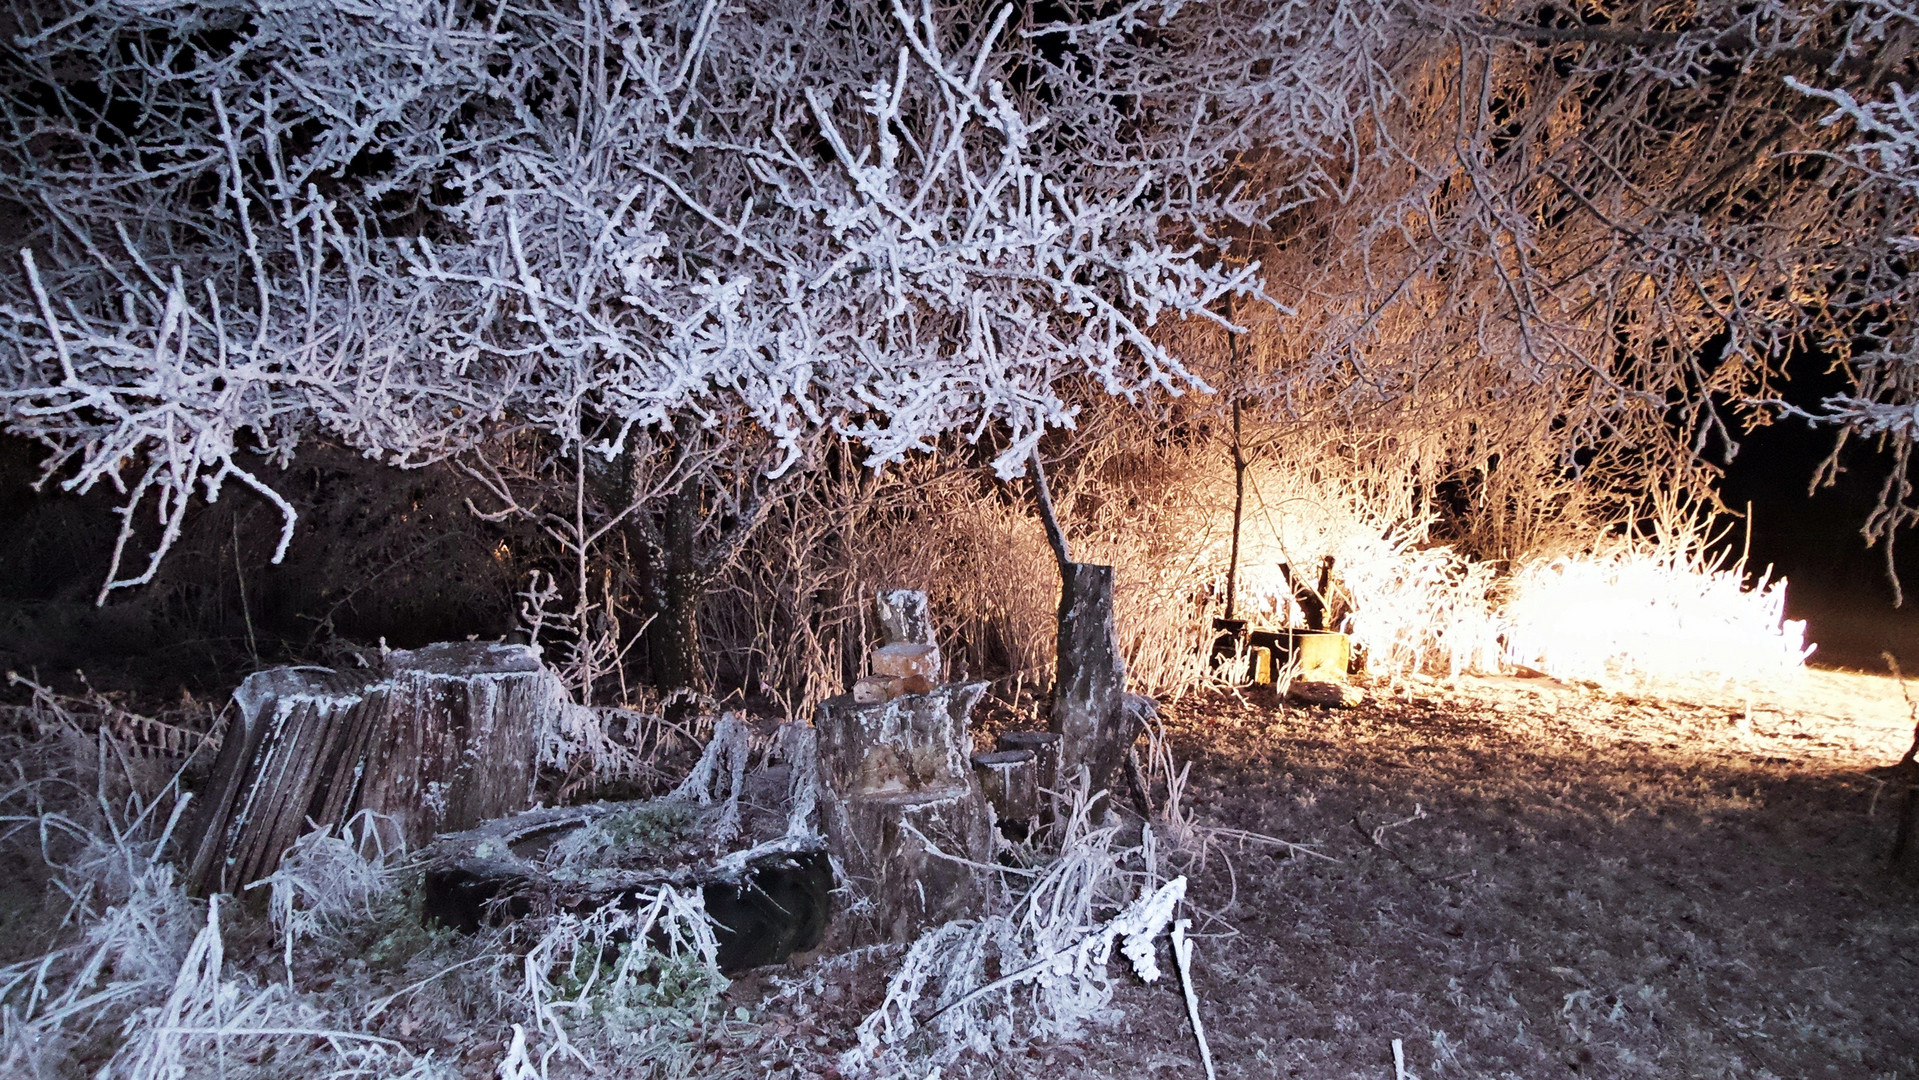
[(1526, 236), (1039, 971), (397, 227)]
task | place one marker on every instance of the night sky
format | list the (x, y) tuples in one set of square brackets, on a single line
[(1837, 584)]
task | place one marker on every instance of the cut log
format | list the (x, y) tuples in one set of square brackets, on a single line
[(914, 743), (911, 652), (1044, 746), (873, 689), (903, 812), (767, 902), (770, 895), (905, 618), (1089, 702), (439, 739), (1010, 781), (914, 665)]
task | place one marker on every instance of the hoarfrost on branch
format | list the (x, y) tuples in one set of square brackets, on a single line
[(409, 227)]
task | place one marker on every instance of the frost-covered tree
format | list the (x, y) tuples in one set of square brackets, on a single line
[(401, 224), (408, 226)]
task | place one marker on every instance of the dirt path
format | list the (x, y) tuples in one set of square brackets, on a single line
[(1600, 885)]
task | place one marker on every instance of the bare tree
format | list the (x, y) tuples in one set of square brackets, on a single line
[(401, 225)]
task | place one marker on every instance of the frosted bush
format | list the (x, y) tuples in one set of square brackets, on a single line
[(141, 978), (327, 879), (621, 980), (1643, 614)]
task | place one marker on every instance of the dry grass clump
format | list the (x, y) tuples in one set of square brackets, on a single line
[(1036, 973), (136, 981), (1585, 601)]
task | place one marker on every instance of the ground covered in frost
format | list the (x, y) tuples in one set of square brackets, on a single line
[(1508, 877), (1596, 883), (1601, 884)]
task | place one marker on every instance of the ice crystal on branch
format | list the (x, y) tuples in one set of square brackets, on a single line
[(395, 226), (407, 226)]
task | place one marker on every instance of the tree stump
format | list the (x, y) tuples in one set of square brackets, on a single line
[(1044, 746), (1010, 781), (898, 793), (439, 739), (769, 894), (1090, 703)]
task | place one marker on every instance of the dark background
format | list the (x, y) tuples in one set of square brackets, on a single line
[(1834, 581)]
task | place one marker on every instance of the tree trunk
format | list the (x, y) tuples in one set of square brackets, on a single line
[(1095, 718), (672, 578), (1090, 703), (673, 637), (770, 895)]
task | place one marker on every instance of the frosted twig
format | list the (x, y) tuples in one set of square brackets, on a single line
[(1183, 955)]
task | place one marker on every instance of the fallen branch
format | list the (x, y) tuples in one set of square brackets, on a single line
[(1183, 955)]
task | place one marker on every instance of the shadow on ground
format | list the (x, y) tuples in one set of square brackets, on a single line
[(1599, 885)]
